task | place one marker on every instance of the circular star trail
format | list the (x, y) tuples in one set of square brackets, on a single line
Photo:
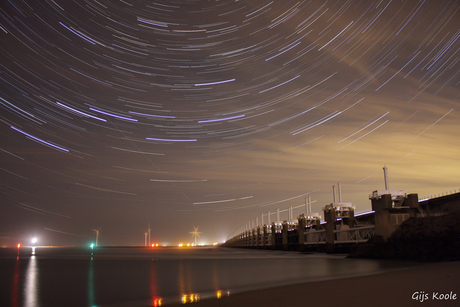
[(115, 114)]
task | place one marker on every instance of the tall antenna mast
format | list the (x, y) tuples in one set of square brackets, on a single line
[(333, 193), (340, 192), (385, 174)]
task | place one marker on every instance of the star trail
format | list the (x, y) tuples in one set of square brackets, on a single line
[(115, 114)]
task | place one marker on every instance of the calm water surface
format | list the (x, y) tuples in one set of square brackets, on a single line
[(154, 277)]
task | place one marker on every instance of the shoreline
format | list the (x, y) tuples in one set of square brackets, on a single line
[(430, 284)]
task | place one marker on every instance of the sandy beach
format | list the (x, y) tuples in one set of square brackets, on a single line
[(430, 284)]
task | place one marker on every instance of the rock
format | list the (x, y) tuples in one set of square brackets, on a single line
[(419, 239)]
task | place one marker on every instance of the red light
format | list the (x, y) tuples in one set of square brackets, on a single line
[(19, 245), (153, 245)]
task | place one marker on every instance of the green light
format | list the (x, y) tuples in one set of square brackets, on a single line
[(92, 245)]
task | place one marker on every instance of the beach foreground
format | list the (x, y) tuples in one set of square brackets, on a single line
[(431, 284)]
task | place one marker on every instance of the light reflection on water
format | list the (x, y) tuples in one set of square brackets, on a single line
[(146, 277), (190, 298), (155, 300), (196, 297), (15, 287), (91, 283), (31, 283)]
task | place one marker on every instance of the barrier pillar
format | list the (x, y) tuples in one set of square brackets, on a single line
[(285, 236), (301, 231), (382, 206), (329, 217), (273, 236)]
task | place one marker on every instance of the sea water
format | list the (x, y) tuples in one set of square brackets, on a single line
[(128, 276)]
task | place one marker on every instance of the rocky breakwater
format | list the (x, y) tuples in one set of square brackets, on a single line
[(419, 239)]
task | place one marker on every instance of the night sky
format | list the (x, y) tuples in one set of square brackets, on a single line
[(115, 114)]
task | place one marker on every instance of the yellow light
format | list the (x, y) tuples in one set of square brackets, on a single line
[(194, 298), (219, 294)]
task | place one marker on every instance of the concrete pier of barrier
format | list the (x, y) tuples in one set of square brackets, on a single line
[(340, 231)]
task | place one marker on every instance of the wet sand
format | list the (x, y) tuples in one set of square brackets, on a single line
[(396, 288)]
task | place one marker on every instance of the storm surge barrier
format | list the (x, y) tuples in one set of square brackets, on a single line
[(341, 229)]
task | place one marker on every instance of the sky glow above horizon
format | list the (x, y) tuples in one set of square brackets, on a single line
[(115, 114)]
